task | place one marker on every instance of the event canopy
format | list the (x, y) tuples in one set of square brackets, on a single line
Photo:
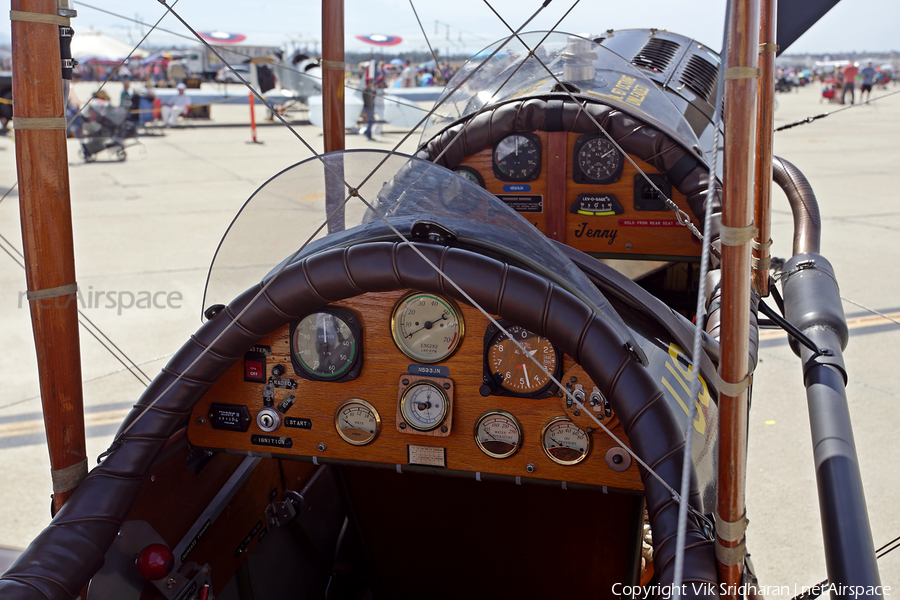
[(95, 44)]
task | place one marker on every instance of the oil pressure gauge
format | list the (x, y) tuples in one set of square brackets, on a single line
[(564, 442)]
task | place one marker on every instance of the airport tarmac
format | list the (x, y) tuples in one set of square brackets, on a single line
[(152, 223)]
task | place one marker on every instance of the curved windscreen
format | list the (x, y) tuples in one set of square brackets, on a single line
[(302, 211), (589, 70)]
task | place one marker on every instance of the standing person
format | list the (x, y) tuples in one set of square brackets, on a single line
[(369, 107), (850, 72), (408, 75), (176, 107), (125, 96), (868, 78)]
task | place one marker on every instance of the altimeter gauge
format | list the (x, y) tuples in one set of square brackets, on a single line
[(498, 434), (597, 160), (521, 367), (357, 422), (426, 327), (564, 442)]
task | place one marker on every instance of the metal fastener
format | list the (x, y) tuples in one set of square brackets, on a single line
[(322, 447), (446, 386), (201, 420), (530, 467), (443, 429)]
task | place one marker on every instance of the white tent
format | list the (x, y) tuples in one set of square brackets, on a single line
[(94, 44)]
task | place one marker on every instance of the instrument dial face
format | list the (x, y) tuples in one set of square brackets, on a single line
[(470, 174), (564, 442), (517, 157), (498, 434), (427, 328), (324, 346), (424, 406), (516, 371), (357, 422), (599, 161)]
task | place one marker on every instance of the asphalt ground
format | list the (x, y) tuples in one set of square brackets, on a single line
[(152, 224)]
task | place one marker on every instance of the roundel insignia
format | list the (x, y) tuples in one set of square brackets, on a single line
[(379, 39), (222, 37)]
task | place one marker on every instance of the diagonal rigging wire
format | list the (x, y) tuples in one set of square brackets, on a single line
[(237, 52), (81, 320), (352, 192), (430, 49), (683, 218), (871, 310)]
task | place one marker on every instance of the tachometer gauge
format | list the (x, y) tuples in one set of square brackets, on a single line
[(326, 345), (357, 422), (514, 372), (564, 442), (596, 160), (517, 157), (498, 434), (427, 328), (424, 406)]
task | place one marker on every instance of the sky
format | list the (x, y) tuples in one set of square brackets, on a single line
[(468, 25)]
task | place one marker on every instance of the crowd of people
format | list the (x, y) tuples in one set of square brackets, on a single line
[(839, 82)]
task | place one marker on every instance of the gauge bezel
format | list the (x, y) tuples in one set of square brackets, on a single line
[(584, 454), (579, 176), (364, 404), (532, 137), (395, 328), (351, 319), (490, 379), (478, 177), (501, 413), (445, 407)]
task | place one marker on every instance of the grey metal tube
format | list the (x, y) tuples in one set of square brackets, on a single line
[(812, 303), (807, 223)]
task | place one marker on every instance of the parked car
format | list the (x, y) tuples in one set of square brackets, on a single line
[(226, 75)]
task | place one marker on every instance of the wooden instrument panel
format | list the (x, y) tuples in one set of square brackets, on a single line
[(634, 233), (380, 383)]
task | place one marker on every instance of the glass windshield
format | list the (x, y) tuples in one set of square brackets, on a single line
[(595, 71), (302, 204)]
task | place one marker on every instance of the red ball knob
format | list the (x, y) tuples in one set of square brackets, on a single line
[(155, 561)]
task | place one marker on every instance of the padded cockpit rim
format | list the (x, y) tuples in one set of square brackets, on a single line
[(62, 558)]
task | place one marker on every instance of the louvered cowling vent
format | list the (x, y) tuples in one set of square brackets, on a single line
[(656, 54), (700, 76)]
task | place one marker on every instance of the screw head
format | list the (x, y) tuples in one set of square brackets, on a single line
[(322, 447), (446, 386), (201, 420), (404, 381), (443, 429), (530, 467), (577, 413), (402, 425), (628, 246)]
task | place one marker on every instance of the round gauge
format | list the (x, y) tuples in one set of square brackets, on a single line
[(357, 422), (598, 161), (426, 328), (424, 405), (564, 442), (516, 371), (324, 345), (517, 157), (470, 174), (498, 434)]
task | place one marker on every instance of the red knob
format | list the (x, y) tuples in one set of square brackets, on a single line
[(155, 562)]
